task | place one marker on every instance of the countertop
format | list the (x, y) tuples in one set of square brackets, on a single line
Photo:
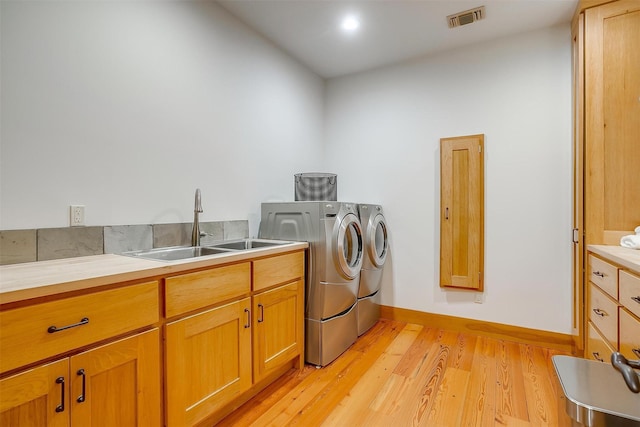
[(19, 282), (628, 258)]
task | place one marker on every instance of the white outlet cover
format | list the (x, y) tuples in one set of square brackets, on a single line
[(76, 215)]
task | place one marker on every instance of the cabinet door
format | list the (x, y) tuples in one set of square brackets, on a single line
[(118, 384), (578, 181), (278, 327), (208, 362), (612, 124), (38, 397), (462, 212)]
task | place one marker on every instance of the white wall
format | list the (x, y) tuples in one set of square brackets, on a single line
[(128, 107), (517, 92)]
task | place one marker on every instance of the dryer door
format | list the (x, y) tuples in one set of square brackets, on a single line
[(347, 251), (377, 240)]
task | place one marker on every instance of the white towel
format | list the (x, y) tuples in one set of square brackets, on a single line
[(632, 241)]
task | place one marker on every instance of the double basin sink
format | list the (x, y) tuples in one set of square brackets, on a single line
[(186, 252)]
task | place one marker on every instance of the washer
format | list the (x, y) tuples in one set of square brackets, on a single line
[(334, 261), (376, 247)]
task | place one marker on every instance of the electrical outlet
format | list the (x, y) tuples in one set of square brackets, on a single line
[(478, 299), (76, 215)]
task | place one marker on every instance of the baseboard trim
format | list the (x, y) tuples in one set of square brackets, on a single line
[(518, 334)]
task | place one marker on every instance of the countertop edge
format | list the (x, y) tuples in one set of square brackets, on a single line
[(21, 282)]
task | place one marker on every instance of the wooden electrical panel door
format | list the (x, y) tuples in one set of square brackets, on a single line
[(462, 212), (118, 384), (612, 121), (38, 397)]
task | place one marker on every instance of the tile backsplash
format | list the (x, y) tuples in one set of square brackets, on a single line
[(18, 246)]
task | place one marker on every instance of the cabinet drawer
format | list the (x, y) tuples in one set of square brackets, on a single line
[(277, 270), (603, 312), (192, 291), (604, 275), (629, 335), (25, 335), (597, 347), (630, 292)]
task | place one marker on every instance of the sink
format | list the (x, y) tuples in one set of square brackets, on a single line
[(245, 244), (176, 253)]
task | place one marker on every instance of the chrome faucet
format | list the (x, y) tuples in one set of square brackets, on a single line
[(195, 234)]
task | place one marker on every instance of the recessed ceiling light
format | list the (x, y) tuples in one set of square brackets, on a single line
[(350, 24)]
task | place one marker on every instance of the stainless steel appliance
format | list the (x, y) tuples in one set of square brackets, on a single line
[(376, 245), (334, 260), (595, 393)]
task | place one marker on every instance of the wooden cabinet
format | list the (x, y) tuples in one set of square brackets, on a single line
[(65, 324), (38, 397), (192, 291), (612, 120), (272, 271), (462, 212), (208, 361), (629, 335), (219, 356), (603, 314), (96, 358), (117, 384), (278, 333), (614, 305), (598, 347), (606, 57)]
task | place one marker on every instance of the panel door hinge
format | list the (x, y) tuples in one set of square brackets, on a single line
[(576, 236)]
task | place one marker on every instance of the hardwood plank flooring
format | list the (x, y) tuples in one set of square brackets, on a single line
[(401, 374)]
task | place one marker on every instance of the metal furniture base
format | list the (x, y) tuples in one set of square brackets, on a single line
[(596, 394)]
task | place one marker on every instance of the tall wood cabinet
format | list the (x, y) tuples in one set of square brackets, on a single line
[(606, 60), (462, 212)]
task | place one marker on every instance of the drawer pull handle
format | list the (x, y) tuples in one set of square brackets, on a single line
[(596, 356), (81, 398), (597, 273), (248, 324), (60, 407), (636, 351), (599, 312), (636, 299), (261, 316), (53, 329)]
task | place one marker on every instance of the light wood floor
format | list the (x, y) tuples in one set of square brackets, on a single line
[(400, 374)]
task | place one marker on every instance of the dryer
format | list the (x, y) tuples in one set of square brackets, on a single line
[(334, 261), (376, 247)]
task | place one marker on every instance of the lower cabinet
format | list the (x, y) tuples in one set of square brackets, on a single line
[(208, 361), (36, 398), (117, 384), (278, 332), (227, 332)]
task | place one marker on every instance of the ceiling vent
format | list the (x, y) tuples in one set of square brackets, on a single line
[(466, 17)]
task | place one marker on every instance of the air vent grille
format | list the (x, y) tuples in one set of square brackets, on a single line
[(466, 17)]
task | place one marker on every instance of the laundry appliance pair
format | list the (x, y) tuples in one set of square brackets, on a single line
[(339, 304)]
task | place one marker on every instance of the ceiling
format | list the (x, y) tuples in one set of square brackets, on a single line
[(390, 30)]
